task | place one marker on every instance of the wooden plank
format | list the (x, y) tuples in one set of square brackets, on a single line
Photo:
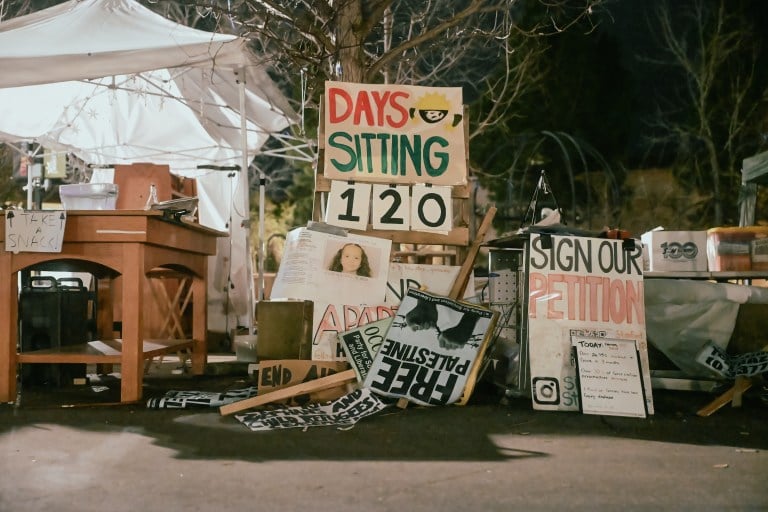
[(101, 351), (457, 292), (281, 394), (456, 236), (740, 386)]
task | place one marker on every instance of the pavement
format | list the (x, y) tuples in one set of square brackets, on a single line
[(75, 448)]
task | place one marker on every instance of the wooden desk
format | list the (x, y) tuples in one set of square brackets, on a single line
[(115, 246)]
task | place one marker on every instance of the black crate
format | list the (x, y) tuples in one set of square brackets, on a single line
[(53, 313)]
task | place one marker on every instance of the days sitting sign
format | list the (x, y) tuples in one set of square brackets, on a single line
[(34, 230), (394, 134)]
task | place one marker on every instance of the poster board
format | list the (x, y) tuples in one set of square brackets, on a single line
[(580, 287), (432, 349), (322, 267), (331, 319), (437, 279), (609, 377), (284, 373), (426, 114), (394, 134), (361, 345), (34, 230)]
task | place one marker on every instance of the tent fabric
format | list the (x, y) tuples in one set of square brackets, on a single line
[(83, 39), (114, 83)]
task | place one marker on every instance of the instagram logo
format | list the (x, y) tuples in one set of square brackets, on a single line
[(546, 390)]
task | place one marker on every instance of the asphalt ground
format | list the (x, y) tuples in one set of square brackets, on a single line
[(75, 448)]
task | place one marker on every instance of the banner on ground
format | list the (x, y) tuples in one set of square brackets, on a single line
[(342, 412)]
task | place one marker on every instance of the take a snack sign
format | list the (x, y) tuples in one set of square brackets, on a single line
[(394, 134)]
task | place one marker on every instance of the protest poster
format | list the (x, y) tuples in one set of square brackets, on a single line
[(431, 349), (322, 267), (361, 344), (436, 279), (585, 288), (184, 399), (34, 230), (342, 412), (331, 319), (610, 382), (730, 366), (394, 134), (282, 373)]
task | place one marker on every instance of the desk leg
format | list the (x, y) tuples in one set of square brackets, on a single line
[(199, 324), (9, 330), (134, 283)]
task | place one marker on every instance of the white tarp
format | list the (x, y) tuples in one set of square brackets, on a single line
[(683, 316), (115, 83)]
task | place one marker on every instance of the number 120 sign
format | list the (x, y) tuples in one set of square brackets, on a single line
[(390, 207)]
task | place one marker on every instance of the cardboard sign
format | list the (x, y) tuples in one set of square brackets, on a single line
[(361, 345), (34, 230), (279, 374), (431, 209), (331, 319), (437, 279), (609, 377), (580, 287), (349, 205), (395, 134), (391, 207), (431, 349)]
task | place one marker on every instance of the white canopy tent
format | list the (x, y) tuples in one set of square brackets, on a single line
[(114, 83)]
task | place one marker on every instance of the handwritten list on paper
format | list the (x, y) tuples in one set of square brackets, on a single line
[(34, 230), (609, 377)]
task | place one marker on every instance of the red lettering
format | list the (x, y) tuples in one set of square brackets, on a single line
[(393, 121), (368, 108), (330, 320), (339, 105), (380, 100), (554, 296), (537, 286), (363, 106)]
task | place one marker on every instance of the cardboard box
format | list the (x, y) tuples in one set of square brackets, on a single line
[(737, 248), (284, 329), (675, 251)]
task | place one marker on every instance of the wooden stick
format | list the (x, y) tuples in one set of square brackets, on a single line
[(281, 394), (740, 386), (457, 292)]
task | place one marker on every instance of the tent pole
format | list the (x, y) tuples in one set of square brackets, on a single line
[(247, 193)]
